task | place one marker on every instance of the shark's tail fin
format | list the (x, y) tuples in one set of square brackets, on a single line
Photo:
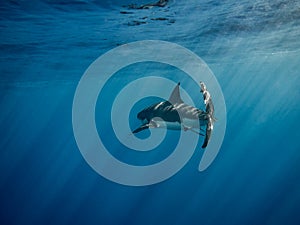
[(208, 132), (209, 109)]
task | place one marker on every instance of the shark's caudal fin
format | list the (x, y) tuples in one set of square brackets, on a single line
[(175, 96), (209, 109), (208, 132)]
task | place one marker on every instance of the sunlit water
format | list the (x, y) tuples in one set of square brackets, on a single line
[(253, 49)]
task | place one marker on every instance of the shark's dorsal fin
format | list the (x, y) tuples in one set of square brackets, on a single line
[(175, 96)]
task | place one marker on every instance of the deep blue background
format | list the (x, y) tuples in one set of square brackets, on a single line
[(252, 47)]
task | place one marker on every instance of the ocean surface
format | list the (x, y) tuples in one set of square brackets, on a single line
[(253, 49)]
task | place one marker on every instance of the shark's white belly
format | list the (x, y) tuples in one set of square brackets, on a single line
[(186, 123)]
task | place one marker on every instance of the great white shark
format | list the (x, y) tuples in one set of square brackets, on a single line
[(176, 115)]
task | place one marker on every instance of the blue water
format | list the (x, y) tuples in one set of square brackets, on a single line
[(253, 48)]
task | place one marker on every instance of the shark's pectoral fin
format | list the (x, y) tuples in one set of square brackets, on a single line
[(143, 127), (186, 128), (151, 124)]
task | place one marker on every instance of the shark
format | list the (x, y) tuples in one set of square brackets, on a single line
[(174, 114)]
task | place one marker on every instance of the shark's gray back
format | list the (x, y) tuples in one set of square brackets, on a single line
[(174, 112), (190, 112)]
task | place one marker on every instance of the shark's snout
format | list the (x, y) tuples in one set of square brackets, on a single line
[(141, 115)]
